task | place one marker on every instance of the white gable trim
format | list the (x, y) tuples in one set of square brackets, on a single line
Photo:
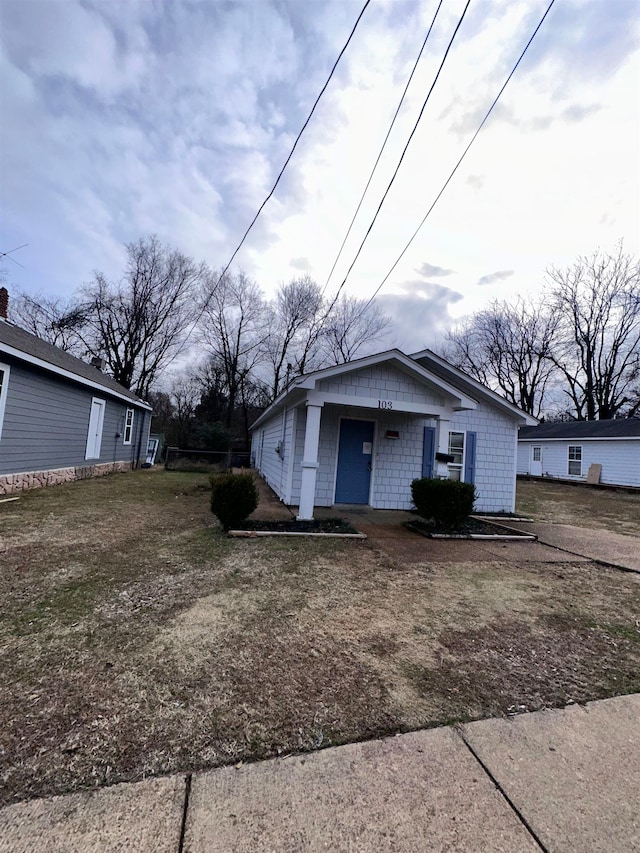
[(67, 374), (495, 398), (459, 400)]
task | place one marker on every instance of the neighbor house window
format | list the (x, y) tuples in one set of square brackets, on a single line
[(456, 449), (4, 387), (575, 460), (537, 454), (128, 427)]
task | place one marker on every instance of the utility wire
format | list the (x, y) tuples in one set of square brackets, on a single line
[(8, 254), (397, 169), (464, 154), (273, 188), (386, 139)]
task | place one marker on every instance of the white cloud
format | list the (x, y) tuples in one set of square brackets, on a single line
[(121, 119)]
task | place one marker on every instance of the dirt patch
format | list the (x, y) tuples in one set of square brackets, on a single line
[(512, 667)]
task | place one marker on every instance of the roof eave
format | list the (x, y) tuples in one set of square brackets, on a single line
[(74, 377)]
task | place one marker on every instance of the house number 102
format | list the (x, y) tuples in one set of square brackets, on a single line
[(385, 404)]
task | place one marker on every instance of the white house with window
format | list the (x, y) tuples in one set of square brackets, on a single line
[(568, 451), (360, 432)]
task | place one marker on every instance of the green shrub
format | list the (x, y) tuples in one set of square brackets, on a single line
[(448, 502), (233, 498)]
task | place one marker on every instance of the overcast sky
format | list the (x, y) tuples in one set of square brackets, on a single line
[(120, 119)]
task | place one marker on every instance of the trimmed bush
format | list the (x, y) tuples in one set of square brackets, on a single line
[(448, 502), (233, 498)]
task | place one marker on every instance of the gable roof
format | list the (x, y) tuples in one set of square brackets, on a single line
[(26, 347), (435, 372), (623, 428), (442, 368)]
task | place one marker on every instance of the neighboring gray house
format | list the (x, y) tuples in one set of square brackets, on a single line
[(567, 450), (360, 432), (60, 418)]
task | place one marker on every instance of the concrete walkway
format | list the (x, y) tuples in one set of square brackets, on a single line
[(563, 780), (614, 549)]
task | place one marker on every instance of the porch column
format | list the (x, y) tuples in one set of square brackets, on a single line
[(441, 468), (309, 463)]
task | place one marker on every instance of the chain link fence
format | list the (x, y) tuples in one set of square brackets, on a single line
[(206, 461)]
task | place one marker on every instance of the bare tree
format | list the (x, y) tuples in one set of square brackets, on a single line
[(597, 300), (139, 324), (295, 314), (352, 326), (234, 330), (508, 347), (54, 320)]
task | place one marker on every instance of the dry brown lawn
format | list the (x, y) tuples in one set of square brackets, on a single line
[(584, 506), (135, 639)]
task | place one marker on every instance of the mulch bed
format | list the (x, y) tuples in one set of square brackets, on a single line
[(325, 525), (471, 527)]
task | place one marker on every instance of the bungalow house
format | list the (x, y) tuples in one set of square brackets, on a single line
[(60, 418), (360, 432), (568, 450)]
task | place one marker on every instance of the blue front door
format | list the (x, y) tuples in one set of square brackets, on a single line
[(354, 462)]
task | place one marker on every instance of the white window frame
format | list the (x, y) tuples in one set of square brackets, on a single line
[(127, 432), (100, 427), (455, 466), (577, 457), (4, 390), (537, 448)]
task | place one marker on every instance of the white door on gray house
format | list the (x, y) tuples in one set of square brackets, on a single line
[(94, 436), (535, 468)]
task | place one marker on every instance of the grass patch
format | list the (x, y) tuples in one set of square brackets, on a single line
[(136, 639), (583, 506)]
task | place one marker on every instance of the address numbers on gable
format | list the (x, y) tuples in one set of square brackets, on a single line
[(385, 404)]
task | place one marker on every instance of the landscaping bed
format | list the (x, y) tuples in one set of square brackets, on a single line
[(325, 526), (472, 528)]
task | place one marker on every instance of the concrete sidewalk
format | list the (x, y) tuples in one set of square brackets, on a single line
[(563, 780), (615, 549)]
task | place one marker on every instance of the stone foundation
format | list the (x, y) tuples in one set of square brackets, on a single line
[(11, 483)]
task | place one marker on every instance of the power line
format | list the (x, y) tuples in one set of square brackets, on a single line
[(404, 151), (277, 181), (7, 254), (463, 155), (375, 165)]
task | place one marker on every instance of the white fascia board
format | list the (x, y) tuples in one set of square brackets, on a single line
[(579, 439), (528, 420), (286, 398), (320, 398), (67, 374)]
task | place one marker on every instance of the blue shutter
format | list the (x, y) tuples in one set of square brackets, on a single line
[(470, 458), (428, 451)]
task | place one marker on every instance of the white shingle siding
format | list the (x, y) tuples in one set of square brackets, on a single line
[(495, 456), (620, 459), (395, 462), (274, 465), (377, 381)]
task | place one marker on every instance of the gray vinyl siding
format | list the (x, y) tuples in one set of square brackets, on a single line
[(46, 422)]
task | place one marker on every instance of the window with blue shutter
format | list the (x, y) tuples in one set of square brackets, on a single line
[(428, 451), (470, 458)]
